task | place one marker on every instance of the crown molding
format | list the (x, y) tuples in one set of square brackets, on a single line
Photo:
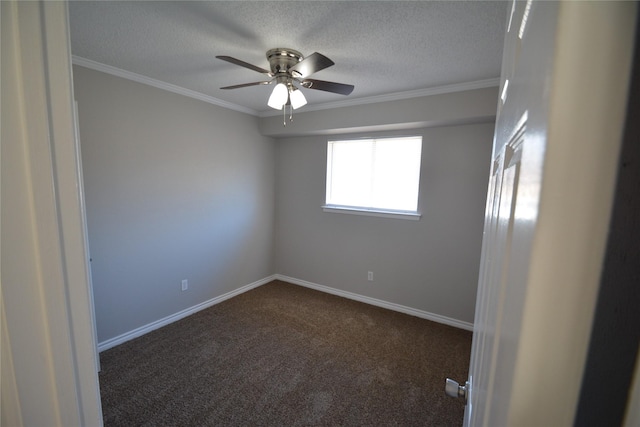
[(438, 90), (98, 66)]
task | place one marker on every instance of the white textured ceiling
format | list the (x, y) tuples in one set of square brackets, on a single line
[(381, 47)]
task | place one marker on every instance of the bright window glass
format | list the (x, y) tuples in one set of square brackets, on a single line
[(374, 174)]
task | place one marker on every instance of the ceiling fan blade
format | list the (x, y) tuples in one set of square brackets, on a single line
[(341, 88), (311, 64), (244, 64), (246, 85)]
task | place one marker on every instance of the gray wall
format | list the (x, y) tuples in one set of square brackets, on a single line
[(180, 189), (175, 189), (430, 265)]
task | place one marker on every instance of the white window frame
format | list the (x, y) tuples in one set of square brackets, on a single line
[(371, 211)]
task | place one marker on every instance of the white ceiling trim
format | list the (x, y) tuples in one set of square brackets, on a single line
[(458, 87), (98, 66)]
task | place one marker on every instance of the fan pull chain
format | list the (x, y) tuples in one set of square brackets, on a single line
[(284, 114)]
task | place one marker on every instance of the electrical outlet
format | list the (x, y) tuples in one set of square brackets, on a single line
[(370, 276), (185, 284)]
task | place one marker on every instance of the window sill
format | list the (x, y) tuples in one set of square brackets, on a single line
[(412, 216)]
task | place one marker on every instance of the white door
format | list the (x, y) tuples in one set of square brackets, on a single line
[(558, 131)]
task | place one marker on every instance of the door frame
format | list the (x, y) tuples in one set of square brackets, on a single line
[(48, 347)]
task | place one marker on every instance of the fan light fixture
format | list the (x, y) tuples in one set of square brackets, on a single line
[(278, 97), (286, 94), (297, 98)]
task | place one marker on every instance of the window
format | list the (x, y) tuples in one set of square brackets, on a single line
[(378, 176)]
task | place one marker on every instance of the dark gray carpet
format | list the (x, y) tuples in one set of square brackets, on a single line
[(284, 355)]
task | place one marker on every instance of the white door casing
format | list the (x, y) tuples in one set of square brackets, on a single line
[(48, 351), (85, 232), (558, 134)]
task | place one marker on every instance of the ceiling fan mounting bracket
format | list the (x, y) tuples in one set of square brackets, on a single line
[(281, 59)]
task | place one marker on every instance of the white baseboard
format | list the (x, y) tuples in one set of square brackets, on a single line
[(112, 342), (379, 303)]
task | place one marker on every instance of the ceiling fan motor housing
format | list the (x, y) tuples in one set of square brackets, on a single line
[(281, 59)]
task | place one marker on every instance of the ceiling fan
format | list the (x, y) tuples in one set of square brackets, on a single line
[(287, 68)]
